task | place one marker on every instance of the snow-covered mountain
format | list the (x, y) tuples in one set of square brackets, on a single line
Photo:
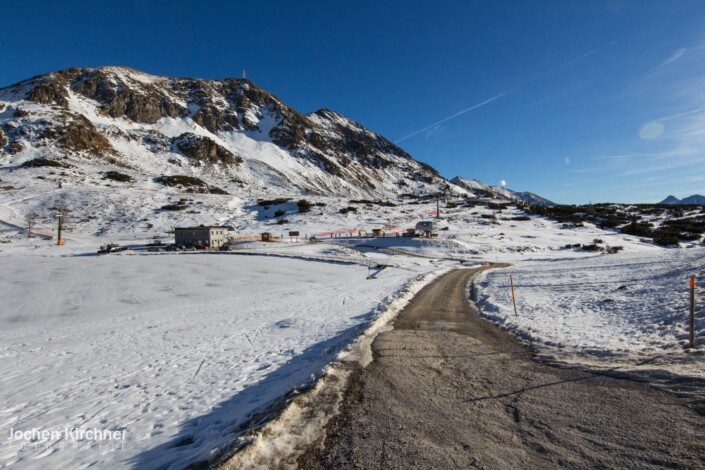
[(229, 134), (695, 199), (123, 151), (478, 188)]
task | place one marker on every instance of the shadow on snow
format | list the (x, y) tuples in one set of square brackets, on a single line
[(203, 439)]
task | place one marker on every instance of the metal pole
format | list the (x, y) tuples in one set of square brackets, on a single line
[(692, 312), (514, 299)]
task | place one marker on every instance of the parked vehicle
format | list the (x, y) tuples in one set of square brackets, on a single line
[(111, 248), (428, 228)]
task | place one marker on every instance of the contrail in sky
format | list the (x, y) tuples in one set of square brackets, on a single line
[(452, 116), (592, 52)]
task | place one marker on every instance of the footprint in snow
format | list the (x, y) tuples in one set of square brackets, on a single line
[(287, 323)]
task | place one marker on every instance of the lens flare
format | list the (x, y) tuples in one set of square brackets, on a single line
[(651, 130)]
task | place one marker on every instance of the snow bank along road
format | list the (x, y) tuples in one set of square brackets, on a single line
[(449, 390)]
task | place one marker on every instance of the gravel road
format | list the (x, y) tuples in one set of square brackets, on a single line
[(447, 389)]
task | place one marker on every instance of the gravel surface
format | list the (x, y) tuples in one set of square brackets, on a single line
[(449, 390)]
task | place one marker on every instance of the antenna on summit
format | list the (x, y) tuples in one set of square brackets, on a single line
[(244, 74)]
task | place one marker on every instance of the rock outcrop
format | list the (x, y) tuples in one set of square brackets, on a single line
[(80, 135), (204, 150)]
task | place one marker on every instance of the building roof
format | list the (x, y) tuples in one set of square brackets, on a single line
[(201, 227)]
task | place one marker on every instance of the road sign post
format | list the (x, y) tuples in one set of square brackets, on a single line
[(692, 312), (60, 219), (514, 299)]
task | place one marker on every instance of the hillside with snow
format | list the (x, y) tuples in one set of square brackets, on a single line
[(118, 127), (478, 188), (121, 149)]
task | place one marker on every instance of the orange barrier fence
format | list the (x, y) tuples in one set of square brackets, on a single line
[(338, 233), (42, 233), (245, 238)]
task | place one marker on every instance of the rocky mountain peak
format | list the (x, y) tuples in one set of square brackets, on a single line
[(230, 129)]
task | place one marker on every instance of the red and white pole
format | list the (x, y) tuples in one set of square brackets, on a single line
[(692, 312)]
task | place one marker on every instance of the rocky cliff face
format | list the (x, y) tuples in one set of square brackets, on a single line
[(227, 130)]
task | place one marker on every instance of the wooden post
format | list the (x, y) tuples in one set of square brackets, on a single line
[(59, 218), (692, 312), (514, 299)]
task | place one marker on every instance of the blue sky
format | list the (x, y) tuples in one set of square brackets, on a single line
[(577, 101)]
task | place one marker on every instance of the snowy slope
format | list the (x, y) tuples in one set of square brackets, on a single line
[(165, 348), (484, 190), (229, 133), (625, 308), (116, 145)]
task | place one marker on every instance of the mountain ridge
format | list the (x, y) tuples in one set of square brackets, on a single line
[(246, 134), (695, 199), (123, 150), (478, 188)]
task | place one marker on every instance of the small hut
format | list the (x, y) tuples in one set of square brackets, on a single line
[(266, 237)]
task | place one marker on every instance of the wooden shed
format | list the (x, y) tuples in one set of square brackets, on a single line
[(266, 237)]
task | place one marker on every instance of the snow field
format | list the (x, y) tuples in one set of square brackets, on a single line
[(203, 341), (176, 349), (611, 308)]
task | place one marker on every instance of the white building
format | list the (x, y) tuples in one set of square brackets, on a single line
[(211, 237)]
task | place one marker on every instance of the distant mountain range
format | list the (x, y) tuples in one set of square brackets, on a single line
[(695, 199), (480, 189)]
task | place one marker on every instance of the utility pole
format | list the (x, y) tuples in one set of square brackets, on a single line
[(514, 299), (438, 202)]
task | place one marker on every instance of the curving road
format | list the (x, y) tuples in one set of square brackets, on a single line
[(449, 390)]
